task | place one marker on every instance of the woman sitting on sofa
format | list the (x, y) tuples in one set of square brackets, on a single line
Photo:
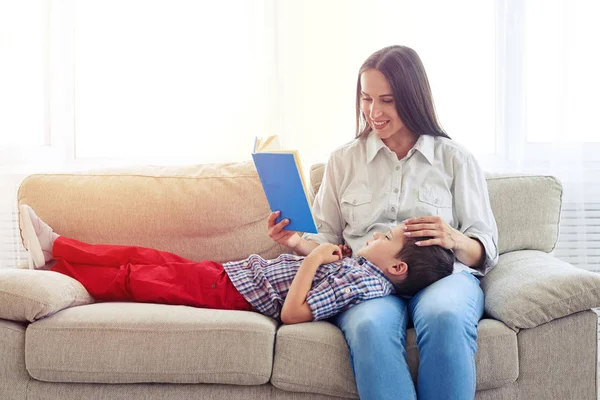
[(292, 288), (402, 167)]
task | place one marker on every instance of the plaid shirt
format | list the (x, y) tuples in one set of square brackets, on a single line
[(336, 286)]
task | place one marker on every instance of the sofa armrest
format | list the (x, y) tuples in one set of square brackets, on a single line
[(529, 288), (29, 295)]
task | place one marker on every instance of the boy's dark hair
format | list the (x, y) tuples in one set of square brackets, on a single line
[(426, 265)]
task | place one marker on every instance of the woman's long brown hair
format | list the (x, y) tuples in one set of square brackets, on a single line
[(406, 76)]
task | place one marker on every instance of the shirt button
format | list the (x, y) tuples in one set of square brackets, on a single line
[(245, 264), (396, 190), (213, 286), (393, 209), (347, 290), (397, 168), (391, 220), (353, 201)]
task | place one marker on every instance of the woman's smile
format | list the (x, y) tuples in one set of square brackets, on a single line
[(379, 125)]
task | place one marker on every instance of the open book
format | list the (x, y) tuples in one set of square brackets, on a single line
[(283, 182)]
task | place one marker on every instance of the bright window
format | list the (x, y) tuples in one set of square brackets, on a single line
[(161, 81), (562, 70), (23, 80)]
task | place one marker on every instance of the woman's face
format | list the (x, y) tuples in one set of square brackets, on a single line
[(378, 105)]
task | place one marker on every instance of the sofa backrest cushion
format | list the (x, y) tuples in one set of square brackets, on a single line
[(526, 208), (212, 211)]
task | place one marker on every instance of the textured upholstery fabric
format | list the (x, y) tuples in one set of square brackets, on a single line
[(182, 210), (136, 342), (38, 390), (526, 209), (529, 288), (13, 375), (214, 211), (28, 295), (558, 358), (320, 351), (64, 391)]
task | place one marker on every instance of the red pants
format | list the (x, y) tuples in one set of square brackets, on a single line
[(130, 273)]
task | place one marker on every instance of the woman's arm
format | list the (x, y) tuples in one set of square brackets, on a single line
[(475, 241), (476, 221), (326, 206), (290, 239), (295, 308), (327, 214), (469, 251)]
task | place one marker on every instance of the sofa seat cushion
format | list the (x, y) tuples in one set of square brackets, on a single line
[(137, 342), (314, 358)]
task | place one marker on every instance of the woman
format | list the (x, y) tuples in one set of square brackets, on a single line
[(402, 167)]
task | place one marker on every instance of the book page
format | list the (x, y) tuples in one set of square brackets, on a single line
[(267, 144)]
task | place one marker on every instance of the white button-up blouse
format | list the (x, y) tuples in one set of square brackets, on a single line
[(366, 189)]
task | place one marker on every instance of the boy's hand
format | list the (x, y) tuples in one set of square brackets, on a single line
[(346, 250), (327, 253)]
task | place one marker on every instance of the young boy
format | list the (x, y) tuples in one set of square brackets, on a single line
[(292, 288)]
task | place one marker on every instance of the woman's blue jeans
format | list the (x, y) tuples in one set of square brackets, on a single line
[(445, 316)]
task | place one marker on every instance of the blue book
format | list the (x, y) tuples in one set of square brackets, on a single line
[(283, 182)]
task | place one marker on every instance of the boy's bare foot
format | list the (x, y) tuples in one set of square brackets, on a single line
[(38, 237)]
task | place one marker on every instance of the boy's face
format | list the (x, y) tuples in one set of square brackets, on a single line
[(383, 248)]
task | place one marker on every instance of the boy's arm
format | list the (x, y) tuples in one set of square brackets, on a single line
[(295, 308), (304, 247)]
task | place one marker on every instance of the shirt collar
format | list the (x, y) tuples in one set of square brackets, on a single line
[(376, 271), (374, 144), (424, 146)]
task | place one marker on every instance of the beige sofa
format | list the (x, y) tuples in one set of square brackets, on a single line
[(537, 340)]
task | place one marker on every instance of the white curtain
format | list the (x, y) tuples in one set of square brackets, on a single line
[(101, 83), (549, 85)]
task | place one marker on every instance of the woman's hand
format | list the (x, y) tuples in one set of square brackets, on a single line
[(441, 232), (326, 253), (285, 238)]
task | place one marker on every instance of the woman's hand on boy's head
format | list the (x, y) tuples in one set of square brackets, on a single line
[(327, 253), (433, 226)]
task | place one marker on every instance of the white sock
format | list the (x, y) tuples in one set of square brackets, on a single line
[(38, 236)]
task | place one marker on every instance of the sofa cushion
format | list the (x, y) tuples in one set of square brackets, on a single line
[(138, 342), (529, 288), (28, 295), (522, 205), (517, 205), (314, 358), (191, 211)]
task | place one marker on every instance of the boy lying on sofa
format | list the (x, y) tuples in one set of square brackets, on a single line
[(292, 288)]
